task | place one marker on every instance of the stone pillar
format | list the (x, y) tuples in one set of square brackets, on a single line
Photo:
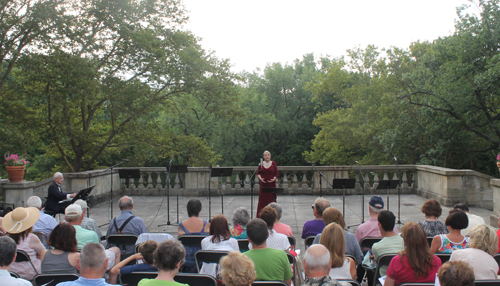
[(18, 193)]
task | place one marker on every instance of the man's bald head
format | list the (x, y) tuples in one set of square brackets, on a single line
[(126, 203), (317, 259)]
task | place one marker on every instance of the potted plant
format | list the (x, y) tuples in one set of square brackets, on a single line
[(15, 167)]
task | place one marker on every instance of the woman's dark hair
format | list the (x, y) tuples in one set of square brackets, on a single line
[(147, 249), (63, 237), (457, 219), (432, 208), (269, 215), (18, 237), (219, 229), (193, 207)]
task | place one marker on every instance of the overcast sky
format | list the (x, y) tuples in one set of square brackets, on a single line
[(254, 33)]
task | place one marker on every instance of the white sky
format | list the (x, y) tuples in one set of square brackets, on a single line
[(254, 33)]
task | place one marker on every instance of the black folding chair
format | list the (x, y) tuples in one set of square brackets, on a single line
[(367, 242), (53, 279), (293, 261), (243, 245), (309, 241), (489, 282), (416, 284), (208, 256), (497, 258), (269, 283), (429, 240), (22, 256), (14, 274), (195, 279), (191, 240), (383, 260), (352, 282), (443, 256), (292, 241), (122, 241), (132, 279)]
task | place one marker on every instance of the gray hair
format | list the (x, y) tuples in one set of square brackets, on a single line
[(7, 251), (321, 204), (126, 203), (240, 216), (34, 201), (92, 256), (58, 174), (278, 209), (315, 262), (375, 210)]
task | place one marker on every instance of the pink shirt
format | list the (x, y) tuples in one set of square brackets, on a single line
[(369, 229), (283, 228), (401, 271)]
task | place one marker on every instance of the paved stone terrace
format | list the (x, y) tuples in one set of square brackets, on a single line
[(296, 210)]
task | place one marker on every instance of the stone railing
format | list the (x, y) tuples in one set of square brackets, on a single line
[(447, 185)]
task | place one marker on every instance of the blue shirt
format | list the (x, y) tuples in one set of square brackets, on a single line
[(135, 226), (144, 267), (85, 282), (45, 224)]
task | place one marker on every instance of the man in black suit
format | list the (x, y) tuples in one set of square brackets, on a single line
[(56, 195)]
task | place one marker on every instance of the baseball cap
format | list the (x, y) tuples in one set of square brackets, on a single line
[(376, 202), (82, 204), (73, 210)]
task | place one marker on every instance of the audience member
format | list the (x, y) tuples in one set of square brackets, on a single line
[(315, 226), (280, 227), (237, 269), (317, 265), (370, 228), (391, 242), (126, 223), (2, 230), (446, 243), (415, 263), (432, 211), (332, 238), (7, 257), (270, 264), (74, 216), (219, 239), (482, 246), (88, 223), (275, 240), (45, 223), (168, 258), (92, 266), (146, 250), (240, 220), (19, 225), (332, 214), (192, 226), (63, 257), (456, 273), (473, 219)]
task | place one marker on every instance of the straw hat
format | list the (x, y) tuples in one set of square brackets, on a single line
[(20, 219)]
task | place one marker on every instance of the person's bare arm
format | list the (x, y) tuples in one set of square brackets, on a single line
[(352, 268), (389, 281), (180, 231), (37, 245), (436, 243), (117, 267)]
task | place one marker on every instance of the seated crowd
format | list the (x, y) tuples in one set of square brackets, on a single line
[(335, 257)]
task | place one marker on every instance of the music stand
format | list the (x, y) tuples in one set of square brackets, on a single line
[(343, 184), (387, 185), (83, 194), (174, 169), (273, 191), (220, 172)]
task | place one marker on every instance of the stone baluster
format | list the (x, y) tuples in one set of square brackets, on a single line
[(131, 184), (358, 184), (228, 183), (177, 181), (150, 180), (367, 181), (123, 183), (141, 183), (375, 181), (247, 181), (304, 180), (158, 182), (404, 181), (295, 185), (385, 176), (284, 182), (237, 181)]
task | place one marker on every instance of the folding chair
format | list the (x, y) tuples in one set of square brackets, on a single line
[(208, 256), (191, 240), (497, 258), (14, 274), (367, 242), (53, 279), (122, 241), (292, 241), (489, 282), (416, 284), (22, 256), (195, 279), (132, 279), (309, 241), (443, 256), (293, 261), (243, 245), (383, 260), (269, 283), (429, 240), (352, 282)]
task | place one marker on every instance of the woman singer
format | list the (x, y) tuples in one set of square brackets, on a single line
[(267, 173)]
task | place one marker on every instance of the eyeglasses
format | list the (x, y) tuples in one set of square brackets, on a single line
[(312, 206)]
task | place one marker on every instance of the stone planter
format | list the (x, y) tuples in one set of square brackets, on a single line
[(16, 173)]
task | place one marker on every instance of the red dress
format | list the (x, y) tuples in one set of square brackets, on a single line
[(266, 174)]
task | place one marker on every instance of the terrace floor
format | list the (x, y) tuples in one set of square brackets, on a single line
[(296, 210)]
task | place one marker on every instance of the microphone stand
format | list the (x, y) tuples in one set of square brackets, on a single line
[(111, 189), (363, 195), (168, 192), (399, 192), (209, 197), (252, 178)]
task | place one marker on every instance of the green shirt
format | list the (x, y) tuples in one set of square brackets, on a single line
[(84, 236), (156, 282), (270, 264), (387, 245)]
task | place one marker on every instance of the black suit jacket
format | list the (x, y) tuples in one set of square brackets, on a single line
[(53, 199)]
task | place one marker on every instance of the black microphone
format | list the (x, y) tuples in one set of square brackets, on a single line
[(261, 161), (395, 159), (357, 162), (210, 167), (125, 160)]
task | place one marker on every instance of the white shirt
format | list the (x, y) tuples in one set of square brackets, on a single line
[(276, 241), (226, 245), (483, 264), (474, 220), (8, 280)]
